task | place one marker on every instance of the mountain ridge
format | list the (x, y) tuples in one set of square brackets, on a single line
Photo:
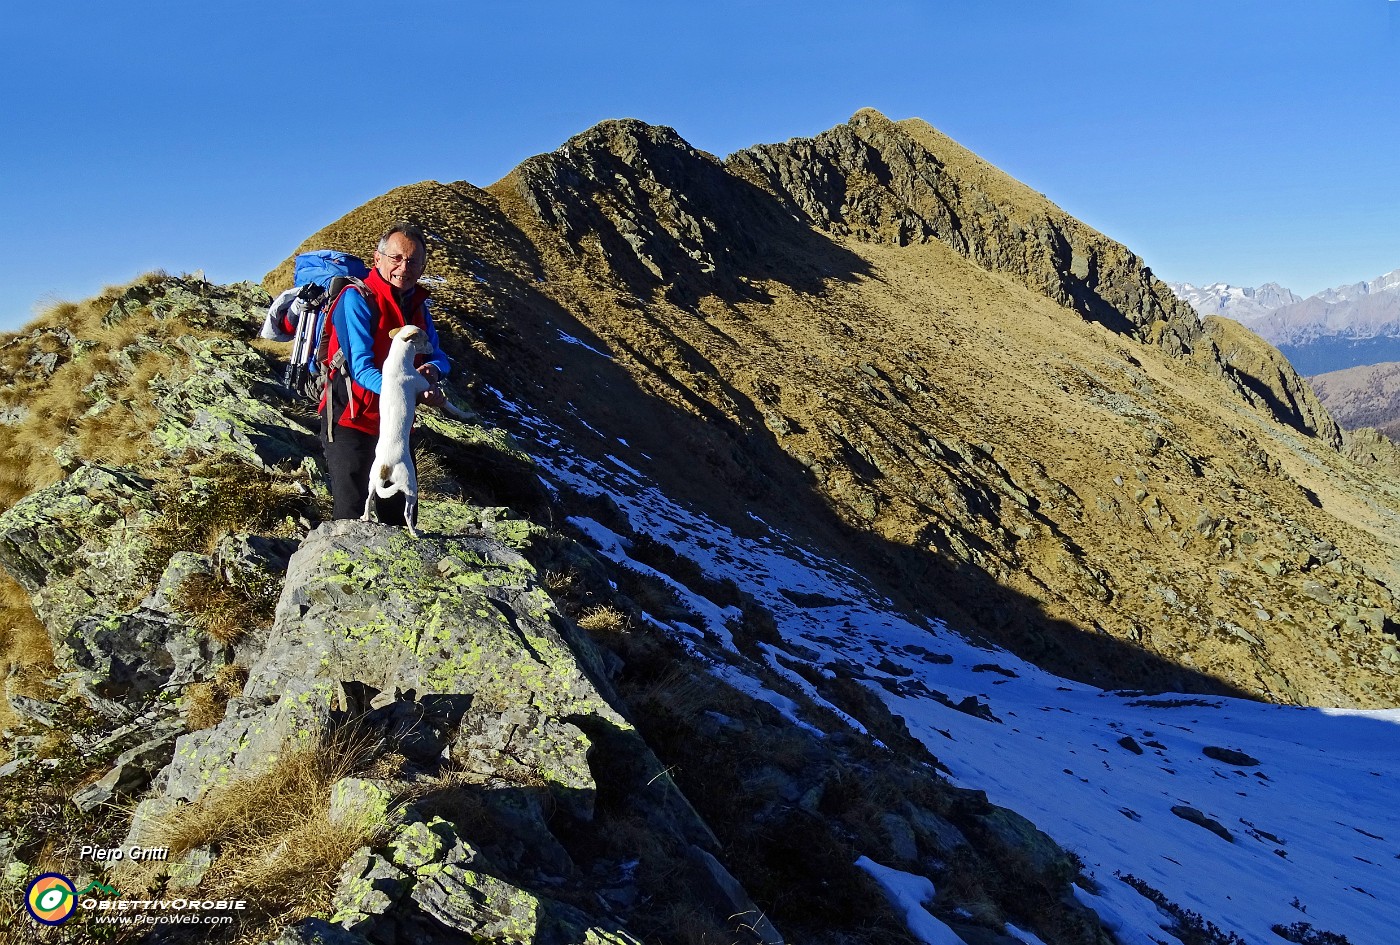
[(897, 455), (1366, 396)]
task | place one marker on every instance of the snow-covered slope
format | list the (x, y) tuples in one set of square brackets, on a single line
[(1253, 816)]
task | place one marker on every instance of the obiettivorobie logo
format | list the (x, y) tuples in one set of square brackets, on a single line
[(51, 899)]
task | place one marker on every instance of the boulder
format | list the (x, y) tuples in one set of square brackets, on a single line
[(465, 671), (133, 771)]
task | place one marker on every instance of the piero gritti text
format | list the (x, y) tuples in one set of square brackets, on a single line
[(113, 854)]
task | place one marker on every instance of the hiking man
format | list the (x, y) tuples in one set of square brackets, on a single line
[(361, 326)]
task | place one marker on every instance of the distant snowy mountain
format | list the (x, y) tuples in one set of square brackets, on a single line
[(1338, 328), (1350, 326), (1349, 293), (1232, 301)]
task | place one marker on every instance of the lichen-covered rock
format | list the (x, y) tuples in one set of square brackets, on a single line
[(489, 909), (192, 299), (224, 404), (368, 887), (369, 605), (360, 801), (432, 886), (479, 905), (446, 651), (249, 740), (81, 549), (76, 546)]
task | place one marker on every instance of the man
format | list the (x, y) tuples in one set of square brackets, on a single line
[(360, 333)]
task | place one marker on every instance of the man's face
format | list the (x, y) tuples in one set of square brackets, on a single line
[(401, 263)]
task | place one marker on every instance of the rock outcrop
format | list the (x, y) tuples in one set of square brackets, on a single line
[(446, 652), (1266, 378), (903, 182)]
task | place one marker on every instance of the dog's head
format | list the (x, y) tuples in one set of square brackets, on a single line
[(412, 337)]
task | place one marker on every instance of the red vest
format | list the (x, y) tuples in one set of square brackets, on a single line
[(362, 412)]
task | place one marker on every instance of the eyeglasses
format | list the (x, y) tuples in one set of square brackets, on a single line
[(412, 262)]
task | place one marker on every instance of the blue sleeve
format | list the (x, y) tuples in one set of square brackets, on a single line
[(354, 324), (438, 358)]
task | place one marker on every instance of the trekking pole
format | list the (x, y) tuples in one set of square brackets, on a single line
[(291, 378), (304, 306)]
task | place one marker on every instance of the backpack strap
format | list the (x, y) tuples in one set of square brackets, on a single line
[(337, 289), (337, 364)]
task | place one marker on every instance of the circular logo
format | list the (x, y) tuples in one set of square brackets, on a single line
[(50, 899)]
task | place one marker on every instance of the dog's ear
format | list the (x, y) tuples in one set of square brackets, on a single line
[(393, 332)]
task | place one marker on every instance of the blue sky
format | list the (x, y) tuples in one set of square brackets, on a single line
[(1236, 140)]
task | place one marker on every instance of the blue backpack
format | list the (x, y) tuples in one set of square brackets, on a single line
[(302, 314)]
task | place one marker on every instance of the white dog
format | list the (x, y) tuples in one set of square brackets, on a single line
[(393, 470)]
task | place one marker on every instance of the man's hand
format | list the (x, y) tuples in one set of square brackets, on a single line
[(433, 396)]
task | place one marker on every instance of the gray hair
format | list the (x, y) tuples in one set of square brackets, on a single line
[(406, 229)]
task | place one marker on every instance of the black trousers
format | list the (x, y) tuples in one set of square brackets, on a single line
[(348, 460)]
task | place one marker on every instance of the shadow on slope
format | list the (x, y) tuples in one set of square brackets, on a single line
[(709, 447)]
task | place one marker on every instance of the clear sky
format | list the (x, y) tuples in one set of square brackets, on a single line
[(1223, 140)]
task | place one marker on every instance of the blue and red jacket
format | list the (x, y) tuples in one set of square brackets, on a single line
[(360, 331)]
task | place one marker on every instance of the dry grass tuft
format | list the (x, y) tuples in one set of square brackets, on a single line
[(97, 394), (387, 767), (220, 496), (604, 618), (203, 706), (207, 701), (26, 655), (560, 582), (226, 611), (275, 844)]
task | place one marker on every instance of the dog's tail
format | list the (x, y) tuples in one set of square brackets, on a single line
[(384, 481)]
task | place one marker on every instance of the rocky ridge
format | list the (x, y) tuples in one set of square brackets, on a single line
[(490, 780), (903, 182)]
